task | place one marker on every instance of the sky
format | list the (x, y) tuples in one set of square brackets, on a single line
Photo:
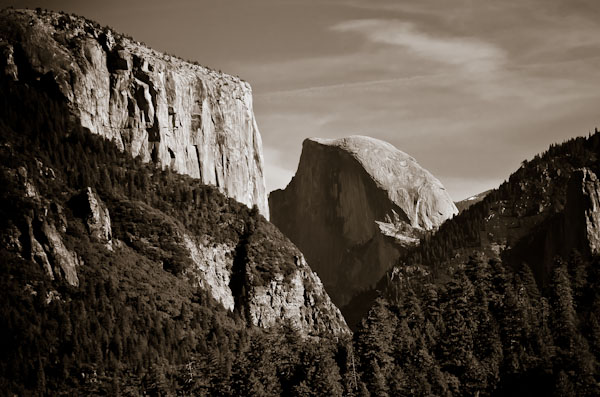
[(469, 88)]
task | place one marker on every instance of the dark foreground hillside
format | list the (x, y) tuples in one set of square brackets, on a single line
[(124, 312), (503, 299)]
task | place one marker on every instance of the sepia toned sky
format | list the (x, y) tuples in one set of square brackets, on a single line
[(470, 88)]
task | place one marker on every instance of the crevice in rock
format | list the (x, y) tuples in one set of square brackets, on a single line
[(199, 163), (172, 155), (154, 153), (239, 274)]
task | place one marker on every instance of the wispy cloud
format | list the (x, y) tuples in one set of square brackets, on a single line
[(472, 55), (344, 86)]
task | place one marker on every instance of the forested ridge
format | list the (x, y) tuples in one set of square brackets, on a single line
[(535, 192), (135, 325), (486, 330), (526, 203), (458, 316)]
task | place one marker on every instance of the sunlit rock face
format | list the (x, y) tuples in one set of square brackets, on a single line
[(177, 114), (582, 212), (298, 299), (96, 216), (301, 301), (353, 206)]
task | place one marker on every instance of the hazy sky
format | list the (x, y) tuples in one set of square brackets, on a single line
[(469, 88)]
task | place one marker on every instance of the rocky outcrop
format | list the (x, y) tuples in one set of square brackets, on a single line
[(37, 235), (155, 106), (299, 299), (95, 215), (65, 261), (352, 207), (211, 268), (582, 212), (575, 228), (46, 247), (302, 301)]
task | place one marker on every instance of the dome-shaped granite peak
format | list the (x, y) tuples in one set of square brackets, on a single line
[(338, 209)]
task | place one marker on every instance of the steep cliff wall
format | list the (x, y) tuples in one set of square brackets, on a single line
[(575, 227), (352, 207), (582, 212), (177, 114)]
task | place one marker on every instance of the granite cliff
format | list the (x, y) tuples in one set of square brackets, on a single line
[(582, 212), (353, 206), (155, 106)]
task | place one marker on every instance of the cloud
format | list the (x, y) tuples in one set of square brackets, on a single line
[(472, 55), (345, 86)]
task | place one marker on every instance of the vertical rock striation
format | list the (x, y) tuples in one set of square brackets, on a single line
[(582, 212), (88, 206), (352, 207), (158, 107), (298, 298)]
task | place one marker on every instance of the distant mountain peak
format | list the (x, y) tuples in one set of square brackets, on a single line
[(354, 204), (399, 174)]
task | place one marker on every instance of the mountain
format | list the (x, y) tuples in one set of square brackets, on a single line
[(536, 211), (354, 205), (118, 276), (174, 113), (501, 299), (469, 201), (215, 253), (121, 275)]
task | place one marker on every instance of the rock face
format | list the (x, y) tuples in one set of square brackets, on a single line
[(302, 301), (582, 212), (95, 215), (65, 261), (299, 298), (212, 268), (352, 207), (158, 107), (39, 238), (574, 226)]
